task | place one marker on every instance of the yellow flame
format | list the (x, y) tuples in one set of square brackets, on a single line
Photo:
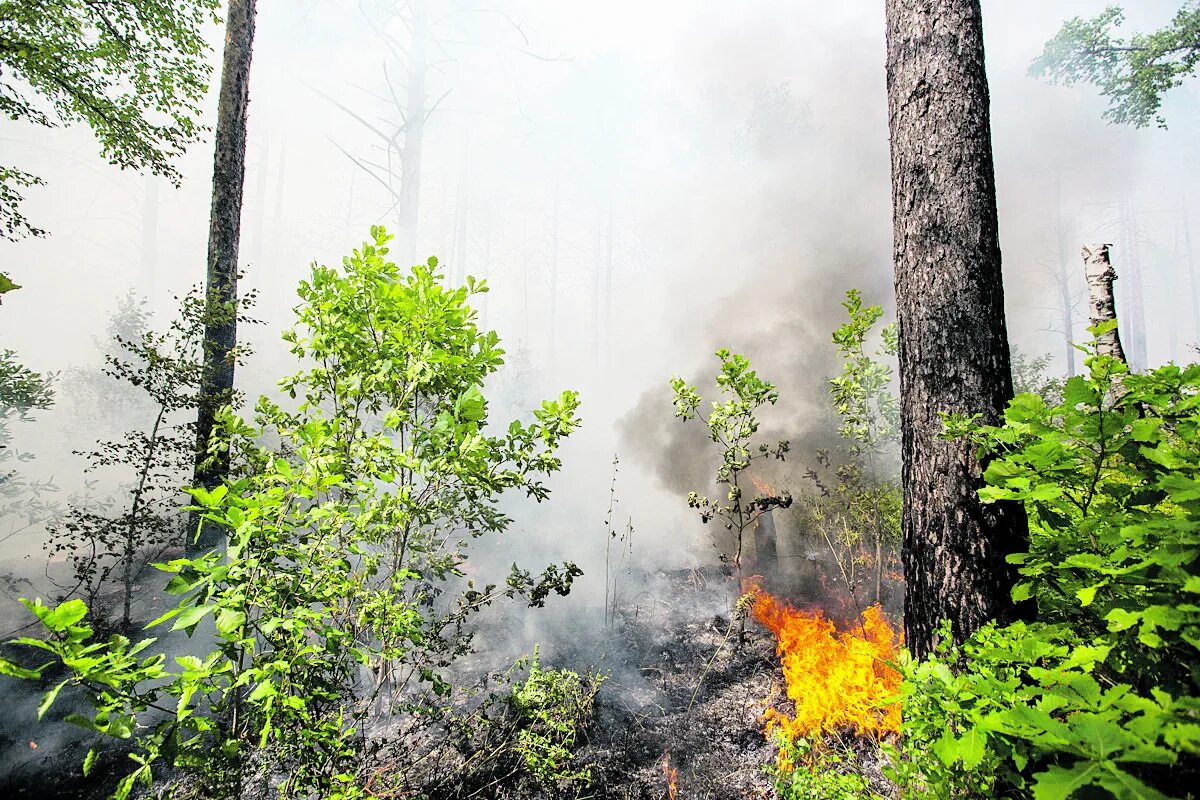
[(837, 680)]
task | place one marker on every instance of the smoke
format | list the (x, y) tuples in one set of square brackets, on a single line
[(640, 183)]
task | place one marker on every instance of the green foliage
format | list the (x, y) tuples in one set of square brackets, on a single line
[(553, 707), (1100, 697), (22, 392), (1030, 376), (1132, 73), (819, 770), (116, 537), (857, 499), (862, 395), (6, 283), (340, 590), (135, 71), (732, 425)]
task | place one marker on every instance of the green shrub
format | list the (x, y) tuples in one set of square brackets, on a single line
[(1100, 696), (553, 707), (820, 769), (340, 590)]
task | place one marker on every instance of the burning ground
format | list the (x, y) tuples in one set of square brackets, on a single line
[(688, 712), (685, 711)]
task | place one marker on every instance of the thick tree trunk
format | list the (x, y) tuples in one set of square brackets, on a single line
[(229, 172), (954, 354), (1100, 276)]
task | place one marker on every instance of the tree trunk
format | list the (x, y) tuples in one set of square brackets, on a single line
[(554, 278), (1132, 305), (149, 282), (608, 285), (229, 172), (1191, 268), (954, 353), (408, 210), (458, 262), (1066, 306), (1100, 276)]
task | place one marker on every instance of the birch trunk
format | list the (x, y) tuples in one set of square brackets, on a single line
[(1100, 275)]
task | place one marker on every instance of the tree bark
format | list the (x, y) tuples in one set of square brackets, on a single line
[(229, 172), (954, 352), (1100, 276)]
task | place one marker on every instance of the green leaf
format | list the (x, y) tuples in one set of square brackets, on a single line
[(48, 699), (1061, 783), (229, 621), (13, 670), (89, 761), (1087, 594), (64, 615), (972, 747), (191, 615)]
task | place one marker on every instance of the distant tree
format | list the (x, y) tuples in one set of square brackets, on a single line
[(135, 71), (1132, 73), (953, 344), (224, 234)]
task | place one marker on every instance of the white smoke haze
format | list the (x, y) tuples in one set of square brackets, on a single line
[(740, 151)]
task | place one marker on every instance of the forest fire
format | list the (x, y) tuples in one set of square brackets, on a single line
[(671, 774), (836, 679), (764, 488)]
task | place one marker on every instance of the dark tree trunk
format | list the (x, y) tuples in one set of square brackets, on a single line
[(954, 354), (229, 172)]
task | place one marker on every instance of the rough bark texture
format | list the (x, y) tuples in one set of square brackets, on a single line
[(954, 354), (1100, 276), (229, 172)]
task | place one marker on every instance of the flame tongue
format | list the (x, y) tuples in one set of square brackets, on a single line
[(671, 774), (836, 679)]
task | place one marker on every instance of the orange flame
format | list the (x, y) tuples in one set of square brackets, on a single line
[(671, 774), (763, 487), (837, 680)]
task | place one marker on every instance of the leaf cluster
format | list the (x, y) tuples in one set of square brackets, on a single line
[(1133, 73), (134, 71), (1100, 696), (341, 592)]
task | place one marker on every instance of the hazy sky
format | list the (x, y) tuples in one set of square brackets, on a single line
[(742, 148)]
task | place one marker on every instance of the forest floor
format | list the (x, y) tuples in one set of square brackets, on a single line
[(682, 697)]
